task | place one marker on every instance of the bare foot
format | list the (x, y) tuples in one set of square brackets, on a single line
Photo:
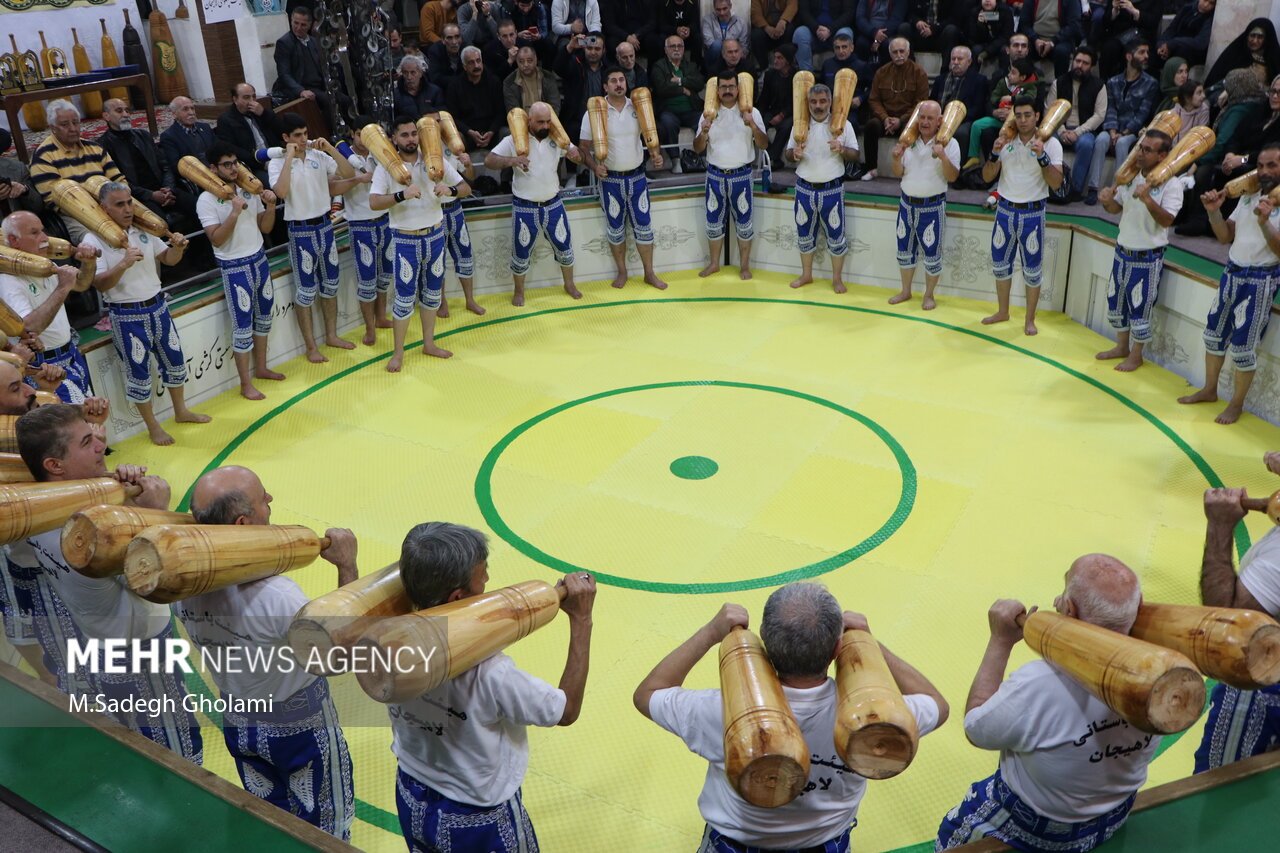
[(338, 343), (393, 366), (1130, 364), (1204, 395), (900, 296), (709, 269), (474, 308), (370, 337), (573, 291), (654, 281), (159, 436), (186, 416), (268, 373), (802, 281), (745, 273), (998, 317), (619, 281), (1114, 352), (384, 323), (517, 298), (1229, 415), (435, 351), (315, 356), (251, 393), (443, 311), (838, 286), (1030, 329), (928, 304)]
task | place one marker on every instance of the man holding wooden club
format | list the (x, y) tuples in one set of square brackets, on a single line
[(801, 628), (59, 445), (295, 757), (1069, 765), (462, 747)]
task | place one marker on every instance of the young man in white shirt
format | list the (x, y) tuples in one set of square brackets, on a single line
[(462, 748), (370, 238), (1070, 767), (925, 167), (1028, 169), (819, 205), (141, 325), (624, 188), (801, 630), (294, 754), (417, 237), (730, 140), (306, 178), (235, 230), (535, 199), (1145, 216), (1242, 306)]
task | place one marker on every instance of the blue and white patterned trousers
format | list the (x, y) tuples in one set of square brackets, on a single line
[(625, 197), (921, 223), (1240, 313), (1018, 229), (371, 246), (729, 193), (714, 842), (15, 605), (52, 625), (459, 240), (250, 296), (1240, 723), (1131, 295), (314, 254), (419, 272), (141, 330), (432, 823), (820, 206), (77, 385), (528, 218)]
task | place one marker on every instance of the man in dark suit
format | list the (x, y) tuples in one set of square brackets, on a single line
[(138, 158), (962, 82), (185, 136), (299, 71), (444, 58), (247, 126), (475, 100)]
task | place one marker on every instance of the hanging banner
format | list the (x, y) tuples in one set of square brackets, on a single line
[(48, 5), (217, 11)]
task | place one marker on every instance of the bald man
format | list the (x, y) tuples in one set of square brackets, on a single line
[(535, 204), (925, 167), (294, 755), (1069, 765)]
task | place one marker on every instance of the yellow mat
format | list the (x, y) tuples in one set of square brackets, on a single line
[(707, 443)]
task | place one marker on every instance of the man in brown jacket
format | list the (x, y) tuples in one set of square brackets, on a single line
[(771, 25), (895, 91), (431, 21)]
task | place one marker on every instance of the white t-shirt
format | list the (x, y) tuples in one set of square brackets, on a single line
[(1021, 178), (102, 608), (142, 279), (25, 294), (825, 809), (1250, 249), (625, 150), (250, 618), (730, 143), (1138, 230), (246, 237), (467, 737), (308, 184), (820, 164), (1260, 571), (922, 175), (541, 182), (413, 214), (356, 199), (1067, 755)]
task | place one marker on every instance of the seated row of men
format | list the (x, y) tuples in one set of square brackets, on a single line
[(1067, 774)]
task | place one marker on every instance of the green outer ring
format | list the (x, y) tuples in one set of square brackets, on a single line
[(906, 499), (385, 820)]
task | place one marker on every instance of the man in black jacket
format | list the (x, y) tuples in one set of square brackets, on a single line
[(676, 18), (499, 53), (475, 101), (248, 126), (963, 83), (444, 58), (299, 72), (185, 136), (628, 20), (936, 25), (1088, 96), (150, 179), (816, 29), (581, 68), (1187, 35)]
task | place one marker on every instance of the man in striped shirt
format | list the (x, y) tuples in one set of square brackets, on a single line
[(65, 155)]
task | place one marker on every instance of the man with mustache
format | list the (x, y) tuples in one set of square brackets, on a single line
[(926, 166)]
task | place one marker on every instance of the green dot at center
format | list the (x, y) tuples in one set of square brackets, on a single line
[(694, 467)]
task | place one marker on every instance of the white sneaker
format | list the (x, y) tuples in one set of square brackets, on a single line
[(869, 176)]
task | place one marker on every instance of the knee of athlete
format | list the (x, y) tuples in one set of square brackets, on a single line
[(1244, 360)]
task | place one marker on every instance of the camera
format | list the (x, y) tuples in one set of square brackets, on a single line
[(988, 17)]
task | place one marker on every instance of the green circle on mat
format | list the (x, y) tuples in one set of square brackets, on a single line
[(906, 497), (694, 467)]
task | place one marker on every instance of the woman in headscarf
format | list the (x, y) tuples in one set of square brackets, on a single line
[(1264, 130), (1256, 48), (1171, 79)]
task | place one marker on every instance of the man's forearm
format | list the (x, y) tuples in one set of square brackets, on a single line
[(574, 680), (1218, 570), (672, 670), (990, 673)]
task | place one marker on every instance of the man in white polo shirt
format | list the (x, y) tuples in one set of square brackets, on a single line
[(315, 173), (1242, 306), (141, 325), (819, 206), (417, 237), (801, 629), (1145, 216), (1028, 168), (926, 167), (1069, 765), (624, 189), (535, 203), (730, 140), (39, 301)]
